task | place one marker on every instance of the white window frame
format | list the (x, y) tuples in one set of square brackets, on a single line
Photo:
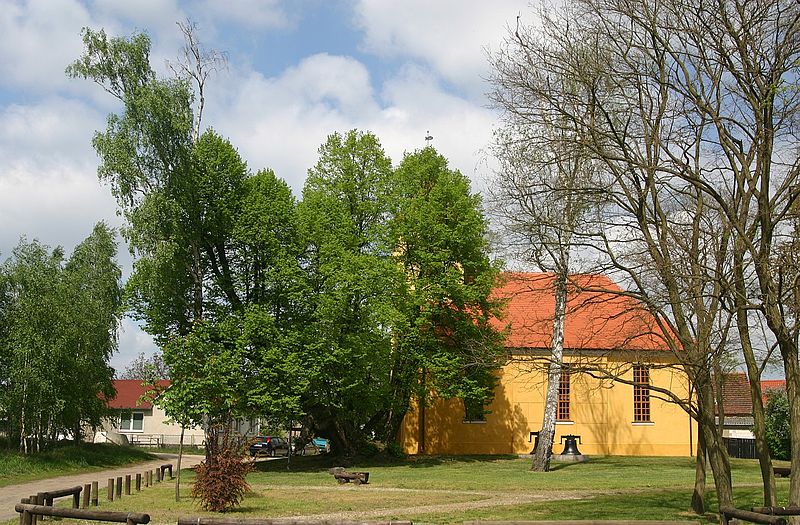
[(131, 418)]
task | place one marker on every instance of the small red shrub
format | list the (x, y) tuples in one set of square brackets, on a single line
[(221, 483)]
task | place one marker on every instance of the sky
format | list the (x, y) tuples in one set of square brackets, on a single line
[(297, 71)]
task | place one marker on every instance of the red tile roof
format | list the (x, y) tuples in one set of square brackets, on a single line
[(129, 392), (600, 320), (736, 400), (771, 384)]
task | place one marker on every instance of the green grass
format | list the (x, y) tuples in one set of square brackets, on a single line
[(505, 473), (500, 487), (65, 459)]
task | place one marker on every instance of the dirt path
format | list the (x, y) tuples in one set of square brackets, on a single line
[(12, 494), (490, 499)]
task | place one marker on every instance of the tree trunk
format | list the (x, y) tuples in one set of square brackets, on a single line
[(541, 457), (178, 466), (698, 496), (717, 453), (791, 369), (792, 373), (754, 377)]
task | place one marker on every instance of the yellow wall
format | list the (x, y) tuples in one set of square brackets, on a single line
[(601, 412)]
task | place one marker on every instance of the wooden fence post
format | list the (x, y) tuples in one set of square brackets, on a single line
[(158, 474), (110, 489), (22, 515), (32, 501), (76, 499), (95, 494), (87, 489), (127, 484), (40, 500), (138, 481), (119, 487)]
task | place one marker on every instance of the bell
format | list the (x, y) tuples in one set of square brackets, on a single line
[(570, 445), (535, 437)]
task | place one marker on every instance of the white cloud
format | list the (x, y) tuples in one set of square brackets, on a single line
[(158, 17), (132, 342), (449, 35), (48, 183), (461, 130), (38, 39), (280, 122)]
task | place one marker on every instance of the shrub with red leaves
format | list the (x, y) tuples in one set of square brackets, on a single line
[(221, 483)]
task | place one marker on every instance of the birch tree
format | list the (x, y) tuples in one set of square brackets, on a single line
[(543, 199)]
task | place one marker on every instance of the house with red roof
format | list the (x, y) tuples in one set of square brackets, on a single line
[(737, 406), (605, 330), (142, 422)]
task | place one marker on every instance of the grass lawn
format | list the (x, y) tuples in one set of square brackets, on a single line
[(447, 490), (65, 459)]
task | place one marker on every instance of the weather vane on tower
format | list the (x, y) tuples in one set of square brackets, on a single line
[(428, 137)]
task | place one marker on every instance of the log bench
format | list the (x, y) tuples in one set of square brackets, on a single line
[(343, 476)]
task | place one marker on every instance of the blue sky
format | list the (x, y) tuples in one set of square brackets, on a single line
[(297, 72)]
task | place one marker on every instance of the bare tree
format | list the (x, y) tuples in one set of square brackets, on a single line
[(540, 203), (622, 80), (146, 369), (196, 65)]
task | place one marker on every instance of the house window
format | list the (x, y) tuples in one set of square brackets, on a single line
[(131, 421), (474, 411), (641, 394), (563, 397)]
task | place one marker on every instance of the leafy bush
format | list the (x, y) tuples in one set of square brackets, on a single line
[(220, 482), (394, 450), (777, 425)]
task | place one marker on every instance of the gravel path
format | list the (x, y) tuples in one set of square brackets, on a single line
[(490, 499), (12, 494)]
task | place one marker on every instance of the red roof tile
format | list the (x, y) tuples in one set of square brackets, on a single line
[(129, 391), (736, 400), (598, 320), (771, 384)]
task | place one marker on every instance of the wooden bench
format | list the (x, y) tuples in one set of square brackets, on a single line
[(782, 472), (342, 476)]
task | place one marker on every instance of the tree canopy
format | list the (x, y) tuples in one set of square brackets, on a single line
[(58, 322)]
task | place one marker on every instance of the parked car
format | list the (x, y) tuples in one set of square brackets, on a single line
[(269, 446), (309, 449), (322, 444)]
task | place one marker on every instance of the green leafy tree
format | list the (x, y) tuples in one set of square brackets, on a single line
[(57, 332), (444, 342), (93, 298), (777, 425), (352, 280), (216, 275)]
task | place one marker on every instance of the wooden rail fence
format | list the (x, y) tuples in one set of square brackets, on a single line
[(731, 513), (91, 492), (778, 511), (28, 513)]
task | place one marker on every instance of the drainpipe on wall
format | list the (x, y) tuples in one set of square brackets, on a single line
[(423, 401), (421, 447)]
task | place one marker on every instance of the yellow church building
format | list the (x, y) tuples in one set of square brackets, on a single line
[(613, 389)]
